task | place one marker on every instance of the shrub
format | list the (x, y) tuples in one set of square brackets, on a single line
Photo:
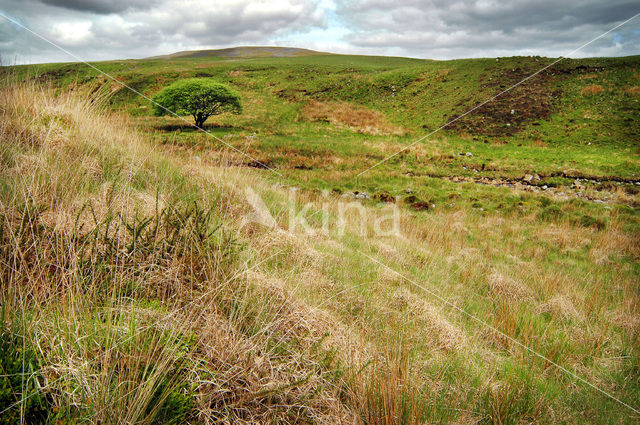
[(586, 220), (551, 212), (198, 97)]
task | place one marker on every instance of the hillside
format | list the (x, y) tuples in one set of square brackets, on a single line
[(242, 52), (156, 274)]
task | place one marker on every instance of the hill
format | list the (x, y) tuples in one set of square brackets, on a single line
[(316, 259), (243, 52)]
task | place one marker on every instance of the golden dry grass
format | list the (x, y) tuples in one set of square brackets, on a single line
[(591, 89), (105, 354), (358, 118), (635, 90)]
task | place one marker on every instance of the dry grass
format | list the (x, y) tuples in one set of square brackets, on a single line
[(635, 90), (135, 300), (560, 306), (591, 89), (357, 118), (505, 286)]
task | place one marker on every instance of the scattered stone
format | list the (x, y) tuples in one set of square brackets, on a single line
[(528, 178), (361, 195), (469, 154)]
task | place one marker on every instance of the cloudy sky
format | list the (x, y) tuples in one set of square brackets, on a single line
[(438, 29)]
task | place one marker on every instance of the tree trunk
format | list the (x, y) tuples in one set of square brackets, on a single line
[(199, 120)]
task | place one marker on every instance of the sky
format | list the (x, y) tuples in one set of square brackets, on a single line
[(434, 29)]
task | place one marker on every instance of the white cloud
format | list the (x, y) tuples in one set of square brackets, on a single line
[(72, 33), (94, 32)]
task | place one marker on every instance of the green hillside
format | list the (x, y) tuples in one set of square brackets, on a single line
[(243, 52), (577, 119)]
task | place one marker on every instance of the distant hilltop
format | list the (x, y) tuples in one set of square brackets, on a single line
[(243, 52)]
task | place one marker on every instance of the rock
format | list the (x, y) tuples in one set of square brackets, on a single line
[(408, 190), (528, 178), (468, 154), (536, 177), (361, 195)]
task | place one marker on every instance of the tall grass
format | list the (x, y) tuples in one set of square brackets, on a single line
[(124, 296)]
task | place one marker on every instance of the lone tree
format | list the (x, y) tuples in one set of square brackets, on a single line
[(198, 97)]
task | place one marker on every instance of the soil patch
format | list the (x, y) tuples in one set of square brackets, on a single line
[(512, 111)]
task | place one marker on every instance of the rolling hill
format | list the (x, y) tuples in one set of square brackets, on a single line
[(243, 52)]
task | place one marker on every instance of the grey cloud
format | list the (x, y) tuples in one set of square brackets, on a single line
[(100, 6), (442, 29)]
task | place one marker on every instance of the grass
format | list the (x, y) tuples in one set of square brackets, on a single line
[(142, 295)]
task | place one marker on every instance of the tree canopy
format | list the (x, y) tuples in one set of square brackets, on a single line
[(198, 97)]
